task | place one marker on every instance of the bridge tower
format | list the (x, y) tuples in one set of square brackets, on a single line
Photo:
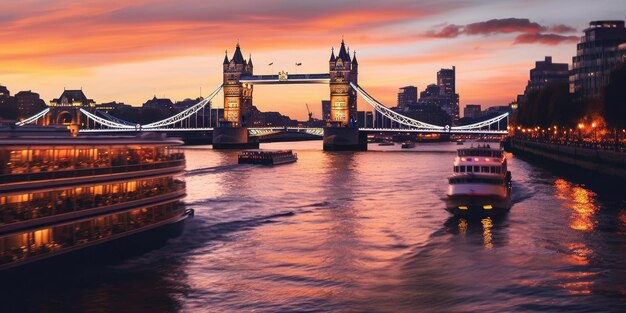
[(341, 132), (65, 110), (233, 130)]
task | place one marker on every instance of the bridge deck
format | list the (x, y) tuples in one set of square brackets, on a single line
[(289, 79), (314, 131)]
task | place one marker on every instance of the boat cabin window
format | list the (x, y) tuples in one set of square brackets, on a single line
[(484, 169), (52, 159), (462, 169), (476, 169), (475, 180), (495, 169)]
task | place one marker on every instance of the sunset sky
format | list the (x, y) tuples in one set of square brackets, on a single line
[(129, 51)]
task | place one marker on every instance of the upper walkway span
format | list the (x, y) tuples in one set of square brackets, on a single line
[(285, 78)]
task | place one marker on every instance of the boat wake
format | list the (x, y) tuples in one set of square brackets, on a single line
[(520, 193), (211, 170)]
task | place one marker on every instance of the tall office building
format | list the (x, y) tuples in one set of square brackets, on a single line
[(547, 73), (407, 96), (436, 95), (28, 103), (446, 80), (472, 111), (544, 74), (432, 95), (597, 54)]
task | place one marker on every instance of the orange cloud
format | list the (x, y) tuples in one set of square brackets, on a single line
[(99, 33)]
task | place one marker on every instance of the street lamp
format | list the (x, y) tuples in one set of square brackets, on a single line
[(593, 125), (580, 131)]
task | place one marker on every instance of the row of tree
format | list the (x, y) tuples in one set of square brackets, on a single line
[(554, 105)]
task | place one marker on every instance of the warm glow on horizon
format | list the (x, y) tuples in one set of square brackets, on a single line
[(131, 51)]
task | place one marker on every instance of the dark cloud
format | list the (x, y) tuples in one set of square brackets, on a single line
[(531, 32), (507, 25), (448, 31), (546, 39)]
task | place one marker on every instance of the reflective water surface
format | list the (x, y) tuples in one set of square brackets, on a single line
[(363, 231)]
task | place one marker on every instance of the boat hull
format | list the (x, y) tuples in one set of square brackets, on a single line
[(267, 161), (463, 205)]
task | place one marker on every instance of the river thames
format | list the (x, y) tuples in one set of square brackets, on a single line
[(364, 231)]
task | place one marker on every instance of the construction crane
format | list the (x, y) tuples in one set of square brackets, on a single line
[(310, 114)]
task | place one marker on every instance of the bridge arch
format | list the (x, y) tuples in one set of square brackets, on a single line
[(64, 118)]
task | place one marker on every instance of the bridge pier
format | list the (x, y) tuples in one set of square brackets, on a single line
[(344, 139), (233, 138)]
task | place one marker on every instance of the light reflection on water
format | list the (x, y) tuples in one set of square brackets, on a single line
[(581, 202), (367, 231)]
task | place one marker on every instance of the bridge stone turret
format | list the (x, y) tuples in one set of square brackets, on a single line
[(341, 132), (233, 130), (342, 72)]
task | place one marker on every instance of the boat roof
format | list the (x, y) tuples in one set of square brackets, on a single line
[(267, 151), (483, 147), (96, 140)]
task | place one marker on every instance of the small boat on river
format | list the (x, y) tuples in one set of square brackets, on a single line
[(267, 157), (408, 145)]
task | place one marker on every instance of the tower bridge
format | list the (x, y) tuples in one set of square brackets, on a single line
[(234, 127)]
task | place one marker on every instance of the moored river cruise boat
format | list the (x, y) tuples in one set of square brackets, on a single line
[(481, 183), (61, 194), (267, 157)]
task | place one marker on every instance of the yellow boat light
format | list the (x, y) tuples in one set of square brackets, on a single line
[(487, 207), (462, 207)]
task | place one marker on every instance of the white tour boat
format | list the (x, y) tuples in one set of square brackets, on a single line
[(481, 183)]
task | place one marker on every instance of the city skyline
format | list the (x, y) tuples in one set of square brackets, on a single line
[(131, 52)]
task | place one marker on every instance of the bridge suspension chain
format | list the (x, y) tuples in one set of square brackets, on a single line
[(105, 122), (394, 116), (115, 119), (482, 124), (404, 120), (33, 118), (184, 114)]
